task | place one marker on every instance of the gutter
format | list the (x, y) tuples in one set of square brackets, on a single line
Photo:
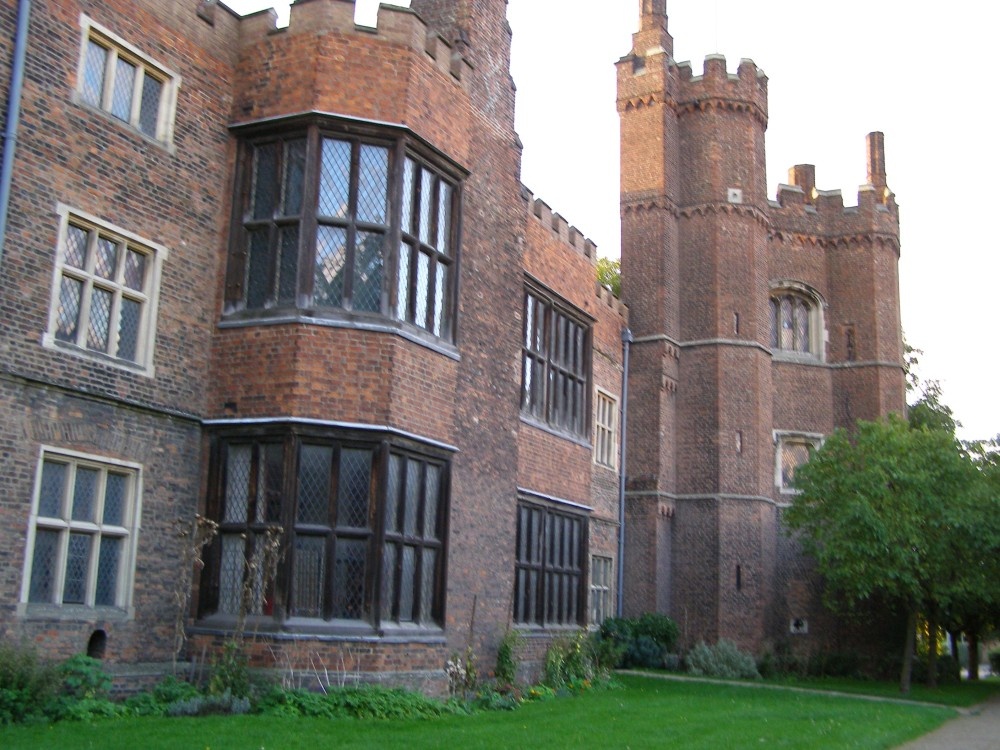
[(619, 603), (13, 114)]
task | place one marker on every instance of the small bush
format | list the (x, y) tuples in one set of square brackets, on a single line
[(281, 702), (643, 651), (84, 677), (659, 628), (506, 669), (27, 685), (723, 659), (489, 699), (569, 659), (375, 702), (640, 642), (230, 672)]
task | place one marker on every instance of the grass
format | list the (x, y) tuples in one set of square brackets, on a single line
[(646, 712), (962, 695)]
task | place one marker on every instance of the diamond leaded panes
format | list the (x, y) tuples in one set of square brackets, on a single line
[(340, 508), (549, 568), (340, 225), (129, 87), (84, 515), (102, 300)]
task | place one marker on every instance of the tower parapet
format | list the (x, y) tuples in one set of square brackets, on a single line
[(746, 90)]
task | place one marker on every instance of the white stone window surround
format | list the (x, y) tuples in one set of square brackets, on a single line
[(818, 335), (128, 530), (605, 429), (155, 254), (791, 438), (161, 128)]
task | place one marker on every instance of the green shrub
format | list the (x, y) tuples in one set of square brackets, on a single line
[(155, 703), (489, 699), (230, 672), (27, 685), (375, 702), (68, 708), (83, 677), (506, 669), (281, 702), (641, 642), (659, 628), (569, 659), (723, 659)]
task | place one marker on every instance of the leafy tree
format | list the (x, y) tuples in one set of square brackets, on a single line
[(609, 275), (876, 509)]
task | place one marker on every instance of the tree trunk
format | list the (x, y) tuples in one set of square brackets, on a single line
[(911, 636), (932, 648), (973, 638)]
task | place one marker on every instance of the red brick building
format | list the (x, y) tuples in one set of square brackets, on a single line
[(289, 279)]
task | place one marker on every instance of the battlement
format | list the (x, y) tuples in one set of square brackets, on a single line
[(717, 87), (559, 226), (394, 25), (799, 199)]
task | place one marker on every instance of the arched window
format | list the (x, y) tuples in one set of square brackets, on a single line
[(796, 321)]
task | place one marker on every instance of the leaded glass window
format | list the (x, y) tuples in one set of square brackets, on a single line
[(549, 568), (83, 524)]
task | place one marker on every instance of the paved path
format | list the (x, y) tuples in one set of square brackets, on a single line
[(977, 728)]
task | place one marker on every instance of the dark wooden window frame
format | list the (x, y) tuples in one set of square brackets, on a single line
[(550, 570), (556, 369), (282, 300), (380, 609)]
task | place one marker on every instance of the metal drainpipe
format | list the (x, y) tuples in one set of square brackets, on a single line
[(627, 339), (13, 114)]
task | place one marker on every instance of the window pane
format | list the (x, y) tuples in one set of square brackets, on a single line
[(94, 65), (295, 170), (149, 106), (43, 566), (100, 319), (106, 590), (77, 566), (309, 578), (444, 217), (367, 295), (373, 184), (409, 175), (787, 325), (426, 201), (406, 581), (390, 555), (288, 267), (427, 578), (50, 494), (422, 290), (115, 489), (106, 259), (354, 488), (258, 270), (440, 285), (231, 573), (335, 178), (76, 247), (269, 483), (128, 329), (237, 483), (135, 270), (403, 282), (775, 318), (264, 192), (392, 493), (121, 97), (801, 326), (85, 493), (432, 487), (331, 256), (315, 462), (349, 579), (412, 507)]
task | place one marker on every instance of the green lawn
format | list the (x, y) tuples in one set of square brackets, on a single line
[(646, 712)]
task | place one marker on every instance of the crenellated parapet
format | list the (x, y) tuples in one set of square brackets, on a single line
[(820, 217), (716, 88), (558, 226), (395, 25)]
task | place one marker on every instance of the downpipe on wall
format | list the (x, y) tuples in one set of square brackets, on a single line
[(627, 340), (13, 114)]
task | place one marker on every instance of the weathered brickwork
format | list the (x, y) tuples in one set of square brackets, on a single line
[(229, 380), (704, 251)]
